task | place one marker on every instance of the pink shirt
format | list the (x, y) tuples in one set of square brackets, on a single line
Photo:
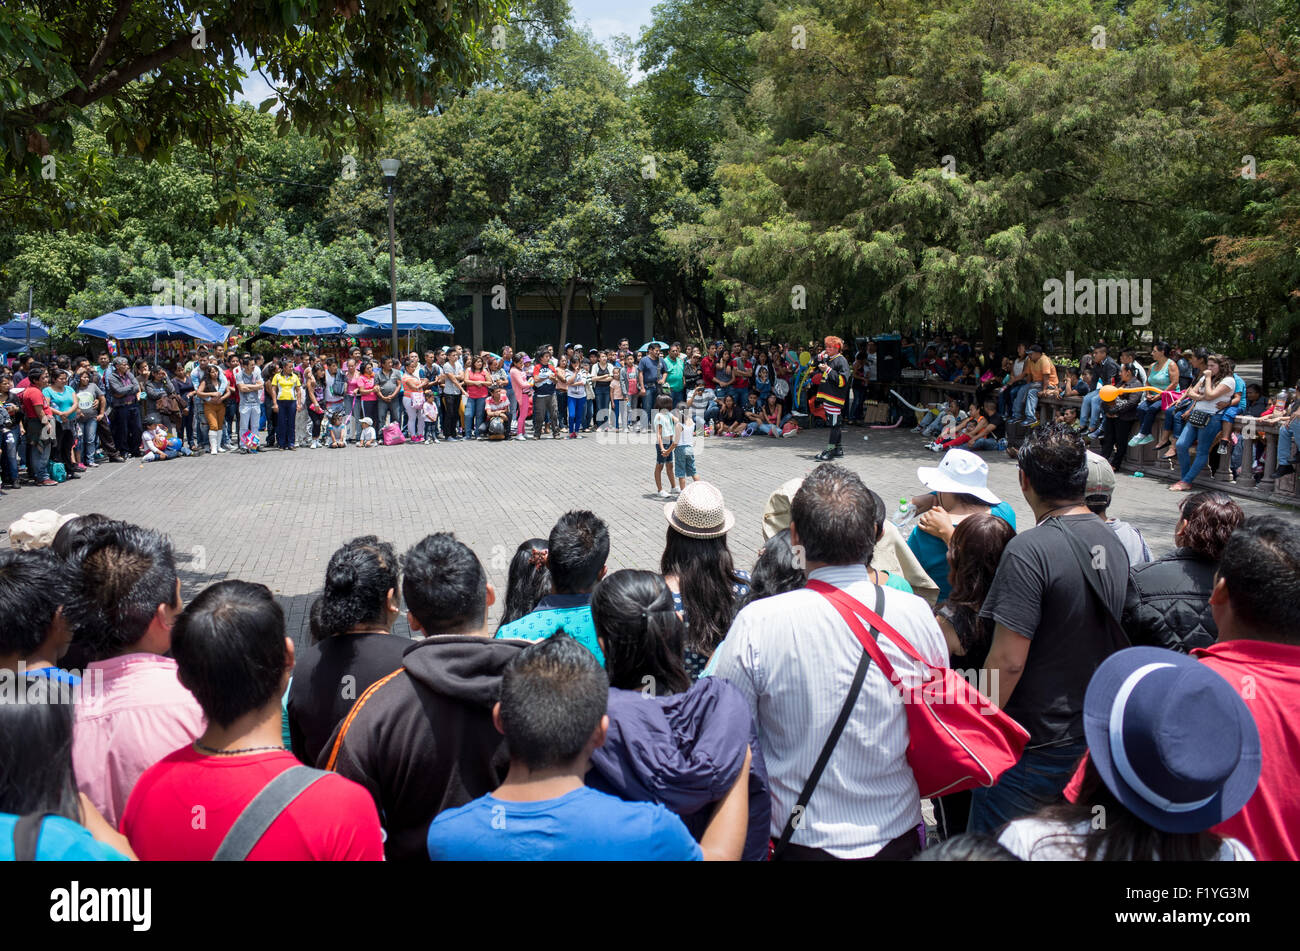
[(141, 714), (518, 382)]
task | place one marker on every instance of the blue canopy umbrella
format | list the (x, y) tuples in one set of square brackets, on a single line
[(132, 323), (16, 329), (304, 321), (411, 315), (646, 346)]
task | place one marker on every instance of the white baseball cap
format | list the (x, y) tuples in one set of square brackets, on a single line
[(961, 472)]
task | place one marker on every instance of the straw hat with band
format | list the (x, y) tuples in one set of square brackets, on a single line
[(699, 512)]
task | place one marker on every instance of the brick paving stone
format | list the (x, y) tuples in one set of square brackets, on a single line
[(276, 517)]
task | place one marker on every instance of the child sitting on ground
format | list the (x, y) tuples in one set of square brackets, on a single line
[(368, 435), (338, 431), (158, 444)]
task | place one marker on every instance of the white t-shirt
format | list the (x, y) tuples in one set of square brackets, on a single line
[(368, 434), (1039, 840), (686, 432), (702, 398)]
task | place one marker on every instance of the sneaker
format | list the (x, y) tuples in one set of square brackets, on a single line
[(675, 491), (81, 467), (1285, 470), (1002, 445), (47, 482), (315, 444), (663, 493)]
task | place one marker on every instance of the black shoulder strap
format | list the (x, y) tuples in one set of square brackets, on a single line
[(264, 808), (27, 832), (1083, 556), (796, 814)]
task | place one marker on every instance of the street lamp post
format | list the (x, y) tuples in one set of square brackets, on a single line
[(390, 167)]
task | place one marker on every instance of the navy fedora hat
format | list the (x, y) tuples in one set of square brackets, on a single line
[(1171, 739)]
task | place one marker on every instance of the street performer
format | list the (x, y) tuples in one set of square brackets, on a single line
[(833, 393)]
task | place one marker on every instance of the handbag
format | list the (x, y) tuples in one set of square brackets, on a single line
[(957, 738), (1198, 418), (392, 435)]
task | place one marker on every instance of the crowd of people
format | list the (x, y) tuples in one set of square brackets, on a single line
[(1196, 395), (688, 710)]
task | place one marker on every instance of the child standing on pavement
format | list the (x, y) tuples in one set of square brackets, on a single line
[(665, 430), (684, 453)]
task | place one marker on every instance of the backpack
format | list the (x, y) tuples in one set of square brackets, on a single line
[(57, 472), (339, 387), (496, 428)]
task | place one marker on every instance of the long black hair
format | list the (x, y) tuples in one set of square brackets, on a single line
[(775, 571), (643, 637), (36, 754), (705, 579), (357, 581), (529, 580), (1123, 837)]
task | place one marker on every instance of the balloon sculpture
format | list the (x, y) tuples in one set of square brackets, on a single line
[(1108, 392)]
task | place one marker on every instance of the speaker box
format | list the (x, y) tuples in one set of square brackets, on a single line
[(889, 360)]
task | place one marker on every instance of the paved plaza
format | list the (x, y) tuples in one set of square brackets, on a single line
[(277, 517)]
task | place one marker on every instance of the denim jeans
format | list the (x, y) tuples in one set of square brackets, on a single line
[(601, 405), (1037, 780), (1189, 468), (86, 432), (1287, 438), (1090, 411), (987, 444), (126, 429), (616, 412), (475, 413), (1148, 410), (388, 410), (648, 401), (285, 422), (38, 452), (577, 409), (1026, 406), (1174, 423), (1007, 399)]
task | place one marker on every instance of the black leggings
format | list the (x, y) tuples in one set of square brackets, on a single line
[(833, 420)]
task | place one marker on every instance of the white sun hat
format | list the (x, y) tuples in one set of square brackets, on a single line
[(699, 512), (960, 472)]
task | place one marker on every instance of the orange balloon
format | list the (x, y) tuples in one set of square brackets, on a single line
[(1108, 392)]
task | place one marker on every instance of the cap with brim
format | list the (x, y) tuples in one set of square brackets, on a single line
[(960, 472), (699, 512), (1171, 739), (1101, 477)]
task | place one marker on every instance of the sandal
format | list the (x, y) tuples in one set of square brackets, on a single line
[(1180, 487)]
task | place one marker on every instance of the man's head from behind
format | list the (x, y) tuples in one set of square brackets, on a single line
[(231, 651), (552, 709), (34, 587), (128, 594), (445, 587), (1258, 584), (577, 551), (1053, 465), (833, 517)]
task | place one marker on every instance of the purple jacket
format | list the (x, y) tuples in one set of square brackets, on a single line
[(685, 751)]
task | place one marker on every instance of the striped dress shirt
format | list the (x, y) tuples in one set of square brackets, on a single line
[(794, 658)]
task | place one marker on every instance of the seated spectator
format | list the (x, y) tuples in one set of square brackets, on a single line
[(422, 739), (552, 712), (1172, 751), (528, 581), (1258, 653), (498, 414), (731, 418), (35, 588), (575, 555), (355, 646), (232, 654), (1168, 601), (683, 744), (698, 567), (968, 847), (958, 489), (1101, 488), (792, 654), (775, 572), (126, 600), (42, 816)]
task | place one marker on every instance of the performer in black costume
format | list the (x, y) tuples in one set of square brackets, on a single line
[(833, 393)]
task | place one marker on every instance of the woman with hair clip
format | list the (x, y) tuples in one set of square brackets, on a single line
[(41, 812), (687, 746), (1215, 384), (1168, 600), (698, 568), (354, 645), (528, 582)]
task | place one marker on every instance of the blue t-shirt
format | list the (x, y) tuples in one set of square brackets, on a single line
[(62, 402), (649, 370), (581, 826), (568, 612), (60, 840), (932, 553)]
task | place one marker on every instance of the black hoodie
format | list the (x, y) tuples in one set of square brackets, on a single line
[(422, 740)]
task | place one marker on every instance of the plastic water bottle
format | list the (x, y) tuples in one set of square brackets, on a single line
[(904, 513)]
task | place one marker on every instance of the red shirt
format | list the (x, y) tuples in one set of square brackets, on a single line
[(183, 806), (741, 382), (232, 392), (706, 371), (1267, 675), (34, 397)]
